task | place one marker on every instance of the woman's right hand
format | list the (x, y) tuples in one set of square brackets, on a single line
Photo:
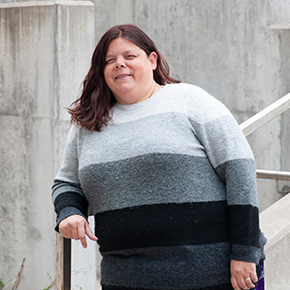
[(76, 227)]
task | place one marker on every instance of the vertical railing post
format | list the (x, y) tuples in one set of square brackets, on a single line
[(66, 264), (59, 262), (63, 263)]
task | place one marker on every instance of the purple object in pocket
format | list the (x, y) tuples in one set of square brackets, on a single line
[(260, 284)]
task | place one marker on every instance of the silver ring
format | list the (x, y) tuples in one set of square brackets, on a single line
[(248, 279)]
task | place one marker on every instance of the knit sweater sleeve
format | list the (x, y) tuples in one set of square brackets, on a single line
[(232, 158), (67, 195)]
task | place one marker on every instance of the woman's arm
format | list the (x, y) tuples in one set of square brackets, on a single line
[(231, 156), (69, 201)]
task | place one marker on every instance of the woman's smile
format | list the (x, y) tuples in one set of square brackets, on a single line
[(123, 76)]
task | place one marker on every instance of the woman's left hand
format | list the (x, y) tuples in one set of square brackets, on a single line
[(243, 274)]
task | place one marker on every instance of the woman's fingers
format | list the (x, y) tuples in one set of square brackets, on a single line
[(82, 235), (254, 276), (89, 233), (235, 283)]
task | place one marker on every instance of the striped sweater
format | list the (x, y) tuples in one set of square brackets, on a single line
[(171, 182)]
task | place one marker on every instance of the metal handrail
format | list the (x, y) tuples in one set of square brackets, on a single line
[(266, 115), (272, 174), (277, 176), (259, 120)]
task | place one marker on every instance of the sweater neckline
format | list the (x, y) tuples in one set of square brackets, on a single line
[(143, 103)]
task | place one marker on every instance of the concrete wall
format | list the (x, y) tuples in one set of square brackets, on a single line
[(43, 57), (237, 50)]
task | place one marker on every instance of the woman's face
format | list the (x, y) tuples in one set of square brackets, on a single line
[(128, 71)]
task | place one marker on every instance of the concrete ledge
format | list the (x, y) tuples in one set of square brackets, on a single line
[(45, 3), (275, 223), (279, 26)]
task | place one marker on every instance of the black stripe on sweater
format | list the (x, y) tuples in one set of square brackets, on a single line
[(163, 225), (244, 225), (71, 199)]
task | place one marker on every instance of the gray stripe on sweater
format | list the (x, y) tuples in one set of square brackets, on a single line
[(164, 178), (61, 187), (182, 98), (222, 142), (150, 179), (67, 179), (182, 267), (69, 169), (166, 133), (162, 133), (240, 177)]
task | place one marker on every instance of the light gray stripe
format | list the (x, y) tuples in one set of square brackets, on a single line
[(163, 133), (150, 179), (182, 267), (223, 140), (69, 169), (67, 179), (240, 177)]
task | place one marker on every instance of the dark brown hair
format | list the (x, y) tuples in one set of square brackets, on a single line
[(92, 109)]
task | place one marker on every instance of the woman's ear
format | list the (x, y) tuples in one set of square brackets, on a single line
[(153, 59)]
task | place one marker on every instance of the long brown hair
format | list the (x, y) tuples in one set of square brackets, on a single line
[(92, 109)]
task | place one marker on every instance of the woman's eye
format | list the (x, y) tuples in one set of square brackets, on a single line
[(110, 60), (130, 56)]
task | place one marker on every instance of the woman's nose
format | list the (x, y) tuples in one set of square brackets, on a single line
[(120, 63)]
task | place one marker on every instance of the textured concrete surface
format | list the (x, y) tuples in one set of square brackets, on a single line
[(44, 57)]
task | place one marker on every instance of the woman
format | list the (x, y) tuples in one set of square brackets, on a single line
[(165, 170)]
